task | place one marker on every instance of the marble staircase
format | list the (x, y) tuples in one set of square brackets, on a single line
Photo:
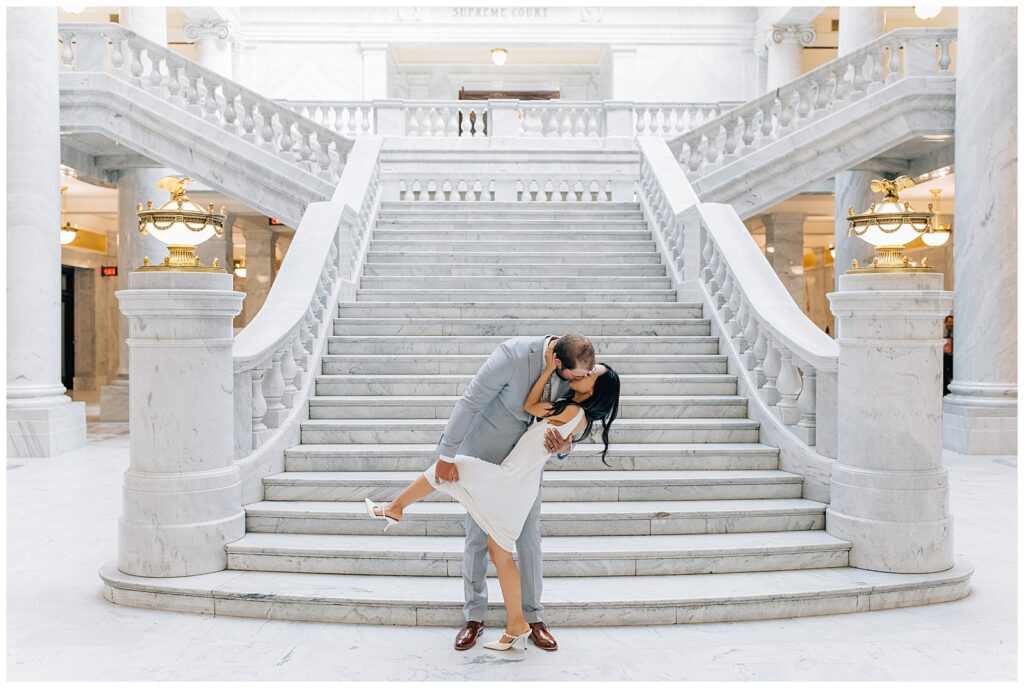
[(692, 501)]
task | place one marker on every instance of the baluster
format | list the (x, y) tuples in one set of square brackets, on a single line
[(579, 125), (135, 68), (877, 73), (759, 351), (748, 334), (551, 122), (730, 139), (286, 142), (860, 81), (771, 366), (718, 281), (732, 325), (945, 58), (565, 123), (273, 390), (299, 357), (807, 403), (174, 90), (117, 52), (767, 122), (248, 119), (259, 406), (230, 109), (288, 373), (724, 309), (642, 128), (210, 105), (748, 131), (364, 123), (593, 128), (305, 149), (707, 258), (412, 127), (67, 55), (894, 63), (822, 89), (788, 384), (439, 125), (155, 76), (712, 150), (842, 87), (803, 108), (695, 158), (192, 104), (785, 111), (451, 123)]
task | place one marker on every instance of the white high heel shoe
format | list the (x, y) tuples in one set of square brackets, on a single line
[(518, 642), (370, 506)]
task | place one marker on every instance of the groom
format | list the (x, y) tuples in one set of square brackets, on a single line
[(486, 423)]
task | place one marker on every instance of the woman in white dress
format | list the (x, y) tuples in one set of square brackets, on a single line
[(499, 497)]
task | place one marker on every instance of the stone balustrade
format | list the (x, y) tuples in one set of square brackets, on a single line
[(513, 118), (275, 356), (902, 53), (786, 366), (114, 50)]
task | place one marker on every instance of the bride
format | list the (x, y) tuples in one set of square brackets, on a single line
[(499, 497)]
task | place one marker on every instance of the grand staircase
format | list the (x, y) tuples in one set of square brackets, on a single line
[(692, 501)]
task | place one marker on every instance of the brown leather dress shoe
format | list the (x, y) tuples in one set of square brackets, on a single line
[(468, 634), (542, 637)]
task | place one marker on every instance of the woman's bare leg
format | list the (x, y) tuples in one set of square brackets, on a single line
[(417, 490), (511, 591)]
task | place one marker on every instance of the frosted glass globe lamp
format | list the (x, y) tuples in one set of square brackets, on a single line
[(499, 56), (889, 226), (182, 225)]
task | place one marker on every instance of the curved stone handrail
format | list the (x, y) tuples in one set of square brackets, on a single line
[(113, 49), (759, 122), (275, 355), (780, 357)]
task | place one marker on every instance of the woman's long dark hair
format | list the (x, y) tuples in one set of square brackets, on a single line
[(602, 405)]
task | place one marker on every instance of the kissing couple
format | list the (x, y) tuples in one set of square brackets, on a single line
[(502, 431)]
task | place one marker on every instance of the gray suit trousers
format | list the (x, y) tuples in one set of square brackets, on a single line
[(491, 439)]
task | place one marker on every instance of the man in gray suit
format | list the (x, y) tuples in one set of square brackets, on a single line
[(486, 423)]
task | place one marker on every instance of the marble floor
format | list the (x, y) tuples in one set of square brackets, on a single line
[(62, 524)]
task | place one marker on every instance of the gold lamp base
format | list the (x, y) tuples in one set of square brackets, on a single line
[(890, 259), (181, 259)]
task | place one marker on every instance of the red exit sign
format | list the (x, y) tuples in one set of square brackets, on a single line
[(108, 270)]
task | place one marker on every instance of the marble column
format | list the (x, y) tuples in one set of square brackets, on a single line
[(889, 493), (259, 268), (182, 496), (41, 419), (135, 185), (784, 249), (857, 26), (784, 45), (980, 413), (213, 41), (375, 70)]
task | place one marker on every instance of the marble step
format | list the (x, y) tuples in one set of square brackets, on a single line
[(520, 327), (556, 518), (591, 601), (417, 430), (607, 345), (554, 282), (666, 406), (491, 215), (512, 246), (568, 556), (469, 364), (389, 385), (751, 456), (558, 486), (472, 270), (532, 232), (517, 309), (518, 295), (377, 258), (440, 206)]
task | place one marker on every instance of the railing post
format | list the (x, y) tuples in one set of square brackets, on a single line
[(503, 118), (390, 117), (182, 492), (889, 492), (618, 119), (919, 57)]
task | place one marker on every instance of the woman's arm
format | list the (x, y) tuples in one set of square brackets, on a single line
[(533, 405)]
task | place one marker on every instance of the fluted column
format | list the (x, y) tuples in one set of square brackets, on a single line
[(783, 45), (784, 249), (980, 413), (41, 419), (857, 26), (213, 41)]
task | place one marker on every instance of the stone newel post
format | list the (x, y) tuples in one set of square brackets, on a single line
[(182, 495), (889, 490)]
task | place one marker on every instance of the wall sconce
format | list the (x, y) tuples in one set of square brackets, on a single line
[(239, 267), (941, 233), (182, 225), (68, 231)]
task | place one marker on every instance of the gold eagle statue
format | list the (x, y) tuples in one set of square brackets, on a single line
[(176, 186), (892, 187)]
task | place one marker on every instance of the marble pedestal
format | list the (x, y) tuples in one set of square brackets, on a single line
[(44, 427), (889, 490), (114, 402), (182, 493)]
